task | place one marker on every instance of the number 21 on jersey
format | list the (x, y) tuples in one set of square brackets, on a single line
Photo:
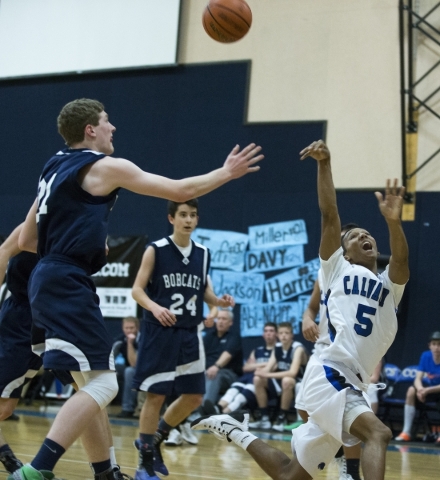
[(43, 194)]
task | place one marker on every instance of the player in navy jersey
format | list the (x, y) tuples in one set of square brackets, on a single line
[(171, 286), (21, 344), (68, 225), (361, 309), (279, 378), (18, 363)]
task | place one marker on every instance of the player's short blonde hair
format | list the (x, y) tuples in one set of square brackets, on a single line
[(75, 116)]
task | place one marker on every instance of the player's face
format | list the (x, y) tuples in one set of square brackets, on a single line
[(270, 335), (360, 246), (185, 220), (104, 134), (285, 335)]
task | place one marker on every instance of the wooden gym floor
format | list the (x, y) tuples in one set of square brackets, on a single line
[(210, 459)]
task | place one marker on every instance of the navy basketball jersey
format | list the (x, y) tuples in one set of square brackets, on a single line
[(178, 283), (285, 358), (262, 354), (17, 277), (72, 222)]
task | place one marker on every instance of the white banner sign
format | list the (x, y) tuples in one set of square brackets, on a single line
[(244, 287), (265, 260), (292, 282), (254, 316), (274, 235), (116, 302), (227, 248)]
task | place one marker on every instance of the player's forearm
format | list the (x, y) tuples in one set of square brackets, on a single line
[(398, 244), (251, 367), (131, 354), (326, 189), (193, 187), (142, 298)]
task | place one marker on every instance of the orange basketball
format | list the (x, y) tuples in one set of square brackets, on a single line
[(227, 21)]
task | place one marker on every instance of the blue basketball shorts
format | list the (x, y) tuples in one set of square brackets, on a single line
[(18, 363), (65, 304), (170, 360)]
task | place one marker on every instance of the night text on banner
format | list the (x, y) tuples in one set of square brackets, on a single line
[(253, 316)]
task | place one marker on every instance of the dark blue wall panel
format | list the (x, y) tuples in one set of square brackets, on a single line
[(183, 121)]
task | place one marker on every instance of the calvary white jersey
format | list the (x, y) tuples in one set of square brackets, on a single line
[(324, 336), (361, 314)]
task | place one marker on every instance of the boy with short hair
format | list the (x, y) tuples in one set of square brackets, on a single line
[(171, 285)]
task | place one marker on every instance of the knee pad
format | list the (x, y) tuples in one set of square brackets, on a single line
[(101, 385)]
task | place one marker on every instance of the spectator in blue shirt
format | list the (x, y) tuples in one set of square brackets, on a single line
[(426, 386)]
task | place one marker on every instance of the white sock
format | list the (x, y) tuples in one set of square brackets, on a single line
[(113, 457), (237, 403), (409, 413), (242, 439), (229, 395)]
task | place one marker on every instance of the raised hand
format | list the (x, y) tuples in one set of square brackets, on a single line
[(390, 205), (239, 163), (317, 150)]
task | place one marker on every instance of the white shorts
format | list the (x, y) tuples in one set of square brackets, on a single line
[(333, 398)]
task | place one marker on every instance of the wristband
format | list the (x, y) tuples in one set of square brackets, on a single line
[(218, 366)]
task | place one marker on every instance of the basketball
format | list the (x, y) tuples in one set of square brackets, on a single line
[(227, 21)]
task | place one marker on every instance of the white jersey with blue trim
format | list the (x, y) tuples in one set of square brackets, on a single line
[(361, 314)]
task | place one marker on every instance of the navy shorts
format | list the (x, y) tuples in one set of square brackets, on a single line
[(170, 360), (18, 363), (65, 304)]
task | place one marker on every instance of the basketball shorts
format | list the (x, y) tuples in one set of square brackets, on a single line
[(18, 363), (65, 304), (170, 360), (333, 398)]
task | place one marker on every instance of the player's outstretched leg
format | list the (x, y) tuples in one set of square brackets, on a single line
[(234, 428), (222, 425)]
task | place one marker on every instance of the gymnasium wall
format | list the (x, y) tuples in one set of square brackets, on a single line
[(183, 121)]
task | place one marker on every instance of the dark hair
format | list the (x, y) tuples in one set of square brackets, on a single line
[(285, 325), (173, 206), (75, 116), (347, 227), (271, 324)]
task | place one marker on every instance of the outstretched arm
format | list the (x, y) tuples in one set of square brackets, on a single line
[(331, 224), (107, 174), (390, 207)]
